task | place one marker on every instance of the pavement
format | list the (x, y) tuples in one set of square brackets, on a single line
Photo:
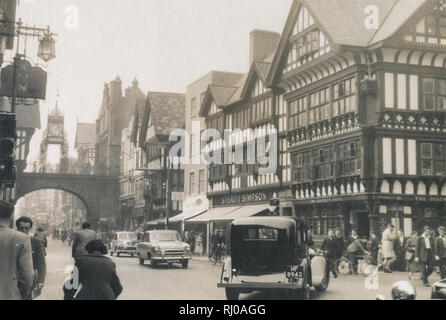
[(199, 281)]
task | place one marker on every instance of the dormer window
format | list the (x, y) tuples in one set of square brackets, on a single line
[(308, 44)]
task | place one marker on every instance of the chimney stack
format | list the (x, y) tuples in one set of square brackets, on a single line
[(262, 44)]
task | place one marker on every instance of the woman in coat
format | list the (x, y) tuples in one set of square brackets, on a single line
[(97, 274), (388, 249), (410, 255)]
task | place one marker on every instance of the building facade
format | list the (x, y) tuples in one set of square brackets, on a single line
[(250, 112), (162, 188), (114, 115), (366, 113), (85, 147)]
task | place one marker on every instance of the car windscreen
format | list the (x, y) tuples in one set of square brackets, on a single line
[(165, 236), (261, 234), (127, 236)]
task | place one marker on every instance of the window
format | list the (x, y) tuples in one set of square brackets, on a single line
[(431, 29), (261, 110), (323, 162), (202, 182), (298, 114), (191, 183), (308, 44), (434, 94), (344, 97), (349, 155), (319, 105), (302, 162), (433, 159)]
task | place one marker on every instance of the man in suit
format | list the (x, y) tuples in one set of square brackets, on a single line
[(440, 251), (16, 266), (331, 245), (424, 254), (354, 236), (24, 225), (341, 243), (400, 251), (81, 239)]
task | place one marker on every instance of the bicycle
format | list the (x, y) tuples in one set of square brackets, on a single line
[(345, 265), (217, 254)]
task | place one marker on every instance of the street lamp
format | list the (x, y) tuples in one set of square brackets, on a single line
[(47, 47)]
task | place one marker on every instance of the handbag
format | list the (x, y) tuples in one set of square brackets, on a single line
[(409, 256)]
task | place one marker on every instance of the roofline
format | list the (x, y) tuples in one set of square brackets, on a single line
[(212, 72)]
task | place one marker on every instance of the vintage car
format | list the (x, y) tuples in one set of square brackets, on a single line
[(163, 246), (124, 242), (271, 253), (439, 290)]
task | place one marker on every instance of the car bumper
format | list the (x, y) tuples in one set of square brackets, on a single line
[(171, 258), (129, 250), (260, 286)]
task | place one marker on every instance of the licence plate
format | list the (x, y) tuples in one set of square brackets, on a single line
[(295, 272)]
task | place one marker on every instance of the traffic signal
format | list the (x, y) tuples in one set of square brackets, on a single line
[(7, 142)]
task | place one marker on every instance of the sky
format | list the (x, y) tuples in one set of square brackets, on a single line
[(165, 44)]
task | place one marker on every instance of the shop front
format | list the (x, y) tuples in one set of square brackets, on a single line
[(366, 213)]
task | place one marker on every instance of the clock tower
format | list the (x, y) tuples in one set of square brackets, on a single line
[(54, 134)]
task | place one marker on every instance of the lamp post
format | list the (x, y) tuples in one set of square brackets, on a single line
[(46, 50)]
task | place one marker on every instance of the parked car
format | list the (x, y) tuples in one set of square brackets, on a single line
[(439, 290), (163, 246), (124, 242), (271, 253)]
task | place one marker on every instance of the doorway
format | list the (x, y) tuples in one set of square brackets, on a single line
[(363, 223)]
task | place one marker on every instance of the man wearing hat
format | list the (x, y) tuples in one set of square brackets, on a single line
[(425, 253), (440, 251)]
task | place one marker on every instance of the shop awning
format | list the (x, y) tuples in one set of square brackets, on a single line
[(245, 212), (186, 215), (213, 214), (156, 221)]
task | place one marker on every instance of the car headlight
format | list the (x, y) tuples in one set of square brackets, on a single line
[(156, 249), (187, 247)]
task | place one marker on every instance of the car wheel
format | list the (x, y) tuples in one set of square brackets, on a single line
[(185, 264), (118, 254), (232, 294), (343, 267), (153, 263), (141, 261), (324, 285)]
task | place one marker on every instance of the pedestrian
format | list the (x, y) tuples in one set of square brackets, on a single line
[(199, 244), (354, 236), (424, 254), (40, 234), (97, 274), (16, 263), (341, 243), (400, 251), (354, 250), (374, 247), (81, 239), (24, 225), (440, 251), (388, 250), (331, 246), (63, 235), (412, 266)]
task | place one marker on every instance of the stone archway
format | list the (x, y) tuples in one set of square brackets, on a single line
[(100, 194)]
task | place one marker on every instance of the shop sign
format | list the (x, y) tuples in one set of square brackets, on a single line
[(243, 198)]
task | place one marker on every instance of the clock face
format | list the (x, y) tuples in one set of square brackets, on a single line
[(55, 130)]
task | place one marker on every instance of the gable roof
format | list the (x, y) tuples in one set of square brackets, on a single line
[(165, 111), (85, 134), (342, 22), (400, 13)]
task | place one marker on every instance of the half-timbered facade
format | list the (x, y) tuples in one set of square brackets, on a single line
[(364, 86)]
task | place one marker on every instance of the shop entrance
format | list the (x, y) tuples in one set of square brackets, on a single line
[(363, 224)]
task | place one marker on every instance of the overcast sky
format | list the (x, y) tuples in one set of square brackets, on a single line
[(165, 44)]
